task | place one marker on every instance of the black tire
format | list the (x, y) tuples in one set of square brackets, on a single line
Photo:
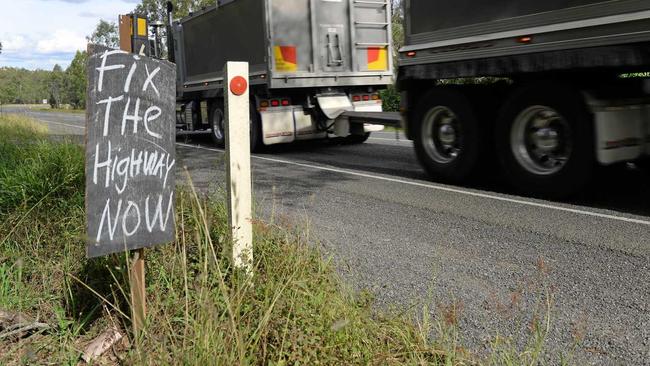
[(217, 124), (455, 162), (644, 165), (196, 115), (357, 139), (257, 142), (566, 164), (219, 139)]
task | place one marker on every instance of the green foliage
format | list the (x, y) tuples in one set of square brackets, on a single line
[(391, 99), (35, 171), (76, 81), (105, 34), (156, 10), (22, 86), (56, 86)]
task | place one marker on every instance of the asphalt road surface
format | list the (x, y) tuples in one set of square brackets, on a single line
[(494, 256)]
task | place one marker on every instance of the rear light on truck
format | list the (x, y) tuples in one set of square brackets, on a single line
[(264, 104), (365, 97), (525, 39), (411, 54)]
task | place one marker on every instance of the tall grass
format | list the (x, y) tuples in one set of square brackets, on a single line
[(295, 309), (34, 170)]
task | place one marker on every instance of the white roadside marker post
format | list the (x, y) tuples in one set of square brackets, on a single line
[(238, 163)]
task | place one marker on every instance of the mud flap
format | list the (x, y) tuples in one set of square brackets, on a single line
[(278, 126)]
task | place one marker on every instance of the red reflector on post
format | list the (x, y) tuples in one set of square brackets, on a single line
[(238, 86)]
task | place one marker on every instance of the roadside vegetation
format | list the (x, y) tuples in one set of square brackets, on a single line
[(61, 109), (294, 311)]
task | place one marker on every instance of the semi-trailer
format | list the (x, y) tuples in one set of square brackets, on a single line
[(543, 91), (311, 61)]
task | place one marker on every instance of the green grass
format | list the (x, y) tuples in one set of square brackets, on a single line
[(33, 169), (295, 310)]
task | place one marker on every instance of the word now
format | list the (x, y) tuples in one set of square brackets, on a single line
[(130, 215)]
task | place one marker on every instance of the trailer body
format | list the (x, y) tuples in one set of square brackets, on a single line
[(310, 62), (529, 36), (535, 57), (294, 43)]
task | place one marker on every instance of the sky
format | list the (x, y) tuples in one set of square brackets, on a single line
[(37, 34)]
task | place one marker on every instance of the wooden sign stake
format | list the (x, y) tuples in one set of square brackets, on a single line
[(137, 273), (138, 292)]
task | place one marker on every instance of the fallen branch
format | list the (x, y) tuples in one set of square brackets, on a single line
[(21, 330)]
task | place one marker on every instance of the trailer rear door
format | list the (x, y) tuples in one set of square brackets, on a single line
[(330, 36)]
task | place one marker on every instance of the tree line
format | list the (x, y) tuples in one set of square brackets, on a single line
[(22, 86), (68, 87)]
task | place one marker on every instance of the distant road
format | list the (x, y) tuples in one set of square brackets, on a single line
[(392, 230), (57, 123)]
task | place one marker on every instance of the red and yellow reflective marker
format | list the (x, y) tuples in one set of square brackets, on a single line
[(377, 59), (286, 58)]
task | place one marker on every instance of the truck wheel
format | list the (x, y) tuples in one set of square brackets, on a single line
[(257, 142), (545, 141), (217, 121), (644, 165), (357, 139), (446, 135)]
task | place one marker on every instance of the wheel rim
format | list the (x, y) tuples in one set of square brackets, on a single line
[(442, 137), (541, 140), (217, 124)]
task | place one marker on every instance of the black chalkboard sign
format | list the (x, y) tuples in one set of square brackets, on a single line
[(130, 155)]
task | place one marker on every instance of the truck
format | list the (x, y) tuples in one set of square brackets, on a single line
[(542, 91), (311, 62)]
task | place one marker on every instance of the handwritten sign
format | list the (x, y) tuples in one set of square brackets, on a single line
[(130, 155)]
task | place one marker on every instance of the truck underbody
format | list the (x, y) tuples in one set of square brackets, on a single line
[(286, 116)]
